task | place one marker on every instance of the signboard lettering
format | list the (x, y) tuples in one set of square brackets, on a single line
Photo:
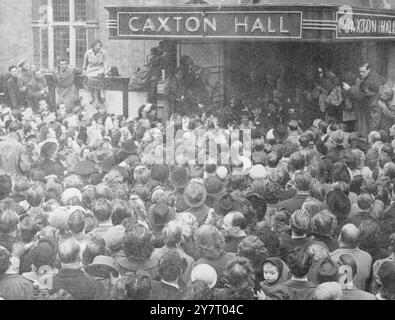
[(361, 25), (214, 24)]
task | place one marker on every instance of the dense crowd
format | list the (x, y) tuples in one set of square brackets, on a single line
[(90, 209)]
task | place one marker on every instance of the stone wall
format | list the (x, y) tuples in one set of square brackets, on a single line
[(16, 33)]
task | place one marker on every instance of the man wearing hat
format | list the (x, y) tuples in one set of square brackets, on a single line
[(103, 269), (195, 195), (337, 145)]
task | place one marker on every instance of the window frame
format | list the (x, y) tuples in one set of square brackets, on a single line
[(49, 24)]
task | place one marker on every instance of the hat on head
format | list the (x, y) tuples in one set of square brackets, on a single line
[(277, 262), (213, 185), (270, 135), (205, 273), (179, 177), (102, 266), (160, 172), (75, 208), (258, 172), (338, 137), (158, 193), (195, 194)]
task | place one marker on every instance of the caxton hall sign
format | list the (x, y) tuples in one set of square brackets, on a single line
[(364, 25), (206, 24)]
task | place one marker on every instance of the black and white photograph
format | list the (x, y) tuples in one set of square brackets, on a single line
[(202, 153)]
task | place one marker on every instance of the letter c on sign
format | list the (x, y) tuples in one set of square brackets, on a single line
[(133, 28)]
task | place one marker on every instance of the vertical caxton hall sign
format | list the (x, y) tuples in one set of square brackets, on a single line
[(157, 23)]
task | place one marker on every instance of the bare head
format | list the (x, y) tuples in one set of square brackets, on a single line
[(349, 236)]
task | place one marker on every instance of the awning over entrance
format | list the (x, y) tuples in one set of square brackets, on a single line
[(307, 21)]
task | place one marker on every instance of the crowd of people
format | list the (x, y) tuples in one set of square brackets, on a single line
[(90, 209)]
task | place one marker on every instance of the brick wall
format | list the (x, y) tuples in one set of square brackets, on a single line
[(16, 35)]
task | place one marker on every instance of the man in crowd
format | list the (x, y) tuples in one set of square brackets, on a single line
[(122, 227), (16, 96), (349, 239)]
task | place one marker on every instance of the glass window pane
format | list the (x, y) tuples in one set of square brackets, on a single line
[(36, 46), (80, 10), (91, 36), (80, 34), (62, 43), (44, 48), (61, 10)]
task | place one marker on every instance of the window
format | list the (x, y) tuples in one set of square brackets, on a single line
[(80, 10), (81, 46), (61, 10), (61, 43), (61, 29)]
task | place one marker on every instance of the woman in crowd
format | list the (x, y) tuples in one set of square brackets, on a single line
[(96, 66), (110, 219)]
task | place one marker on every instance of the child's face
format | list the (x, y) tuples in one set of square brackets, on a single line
[(270, 273)]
